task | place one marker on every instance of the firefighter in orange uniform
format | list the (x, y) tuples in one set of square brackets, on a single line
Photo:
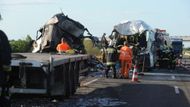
[(125, 58), (63, 46)]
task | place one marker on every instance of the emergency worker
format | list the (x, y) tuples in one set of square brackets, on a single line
[(172, 59), (5, 68), (125, 58), (120, 42), (111, 58), (104, 45), (63, 46)]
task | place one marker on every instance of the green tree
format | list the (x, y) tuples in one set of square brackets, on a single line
[(28, 38), (21, 45)]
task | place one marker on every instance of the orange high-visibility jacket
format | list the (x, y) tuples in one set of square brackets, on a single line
[(125, 53), (62, 47)]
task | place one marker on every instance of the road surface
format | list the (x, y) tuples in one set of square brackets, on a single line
[(158, 88)]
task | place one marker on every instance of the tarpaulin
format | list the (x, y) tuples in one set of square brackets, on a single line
[(132, 27)]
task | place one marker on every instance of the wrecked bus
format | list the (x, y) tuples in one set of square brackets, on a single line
[(141, 37)]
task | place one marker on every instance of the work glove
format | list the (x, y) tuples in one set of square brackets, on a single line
[(7, 68)]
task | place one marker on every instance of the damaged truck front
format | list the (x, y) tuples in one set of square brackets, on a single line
[(60, 26)]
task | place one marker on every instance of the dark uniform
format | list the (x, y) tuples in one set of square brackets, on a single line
[(5, 61), (104, 44), (172, 58), (111, 58)]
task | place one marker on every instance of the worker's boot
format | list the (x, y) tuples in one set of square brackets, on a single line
[(126, 75), (106, 73), (114, 74), (3, 91)]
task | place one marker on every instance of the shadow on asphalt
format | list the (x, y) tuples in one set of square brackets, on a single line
[(178, 70), (131, 95)]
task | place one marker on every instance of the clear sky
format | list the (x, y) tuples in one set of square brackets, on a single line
[(22, 17)]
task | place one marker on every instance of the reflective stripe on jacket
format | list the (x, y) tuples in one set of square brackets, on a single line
[(111, 56)]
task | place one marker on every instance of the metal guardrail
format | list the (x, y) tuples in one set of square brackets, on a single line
[(185, 63), (185, 38), (187, 53)]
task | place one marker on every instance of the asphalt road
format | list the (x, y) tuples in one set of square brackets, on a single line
[(158, 88)]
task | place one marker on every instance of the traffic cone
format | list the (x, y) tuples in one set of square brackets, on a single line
[(135, 75)]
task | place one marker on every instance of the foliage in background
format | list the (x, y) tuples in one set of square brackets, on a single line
[(21, 45), (91, 48), (186, 49)]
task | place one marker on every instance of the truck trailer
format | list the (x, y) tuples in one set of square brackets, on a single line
[(47, 74)]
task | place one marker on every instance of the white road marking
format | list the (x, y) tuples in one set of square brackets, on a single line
[(176, 90), (87, 83), (173, 77), (167, 74)]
